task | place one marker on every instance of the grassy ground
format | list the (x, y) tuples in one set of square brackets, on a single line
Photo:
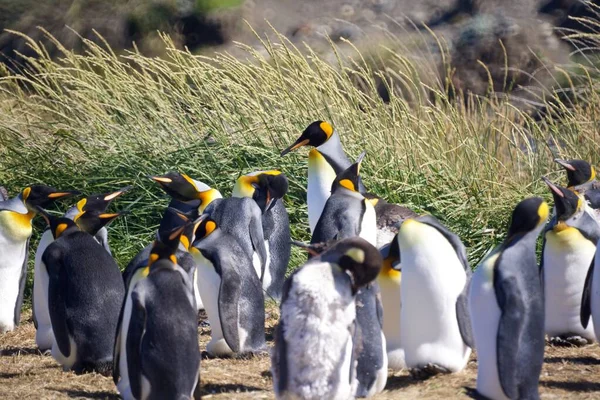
[(568, 373)]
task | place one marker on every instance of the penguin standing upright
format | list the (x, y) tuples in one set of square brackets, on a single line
[(436, 332), (325, 162), (267, 188), (506, 304), (348, 214), (85, 293), (389, 280), (570, 241), (581, 176), (85, 214), (156, 349), (314, 354), (16, 215), (230, 291)]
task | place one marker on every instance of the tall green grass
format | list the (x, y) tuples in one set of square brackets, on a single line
[(96, 121)]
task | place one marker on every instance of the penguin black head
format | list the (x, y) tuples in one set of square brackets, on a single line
[(204, 227), (165, 246), (315, 135), (58, 225), (99, 202), (360, 259), (265, 187), (350, 177), (566, 201), (41, 196), (183, 188), (528, 215), (578, 171), (92, 221)]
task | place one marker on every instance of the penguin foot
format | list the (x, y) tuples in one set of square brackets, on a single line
[(569, 341), (428, 371)]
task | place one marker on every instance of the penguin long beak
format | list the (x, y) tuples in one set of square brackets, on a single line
[(58, 195), (298, 143), (116, 194), (359, 161), (564, 164), (160, 179), (553, 187)]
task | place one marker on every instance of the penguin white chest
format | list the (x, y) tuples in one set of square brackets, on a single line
[(485, 317), (320, 178), (389, 284), (44, 336), (432, 279), (368, 226), (15, 230), (208, 284), (566, 260)]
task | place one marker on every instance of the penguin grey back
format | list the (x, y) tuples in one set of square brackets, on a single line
[(276, 227)]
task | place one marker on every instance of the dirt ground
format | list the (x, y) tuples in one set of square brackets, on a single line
[(569, 373)]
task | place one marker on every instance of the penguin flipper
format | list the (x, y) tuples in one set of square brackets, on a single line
[(586, 296), (510, 328), (134, 338), (116, 373), (229, 297), (280, 367), (22, 281), (53, 257), (463, 316)]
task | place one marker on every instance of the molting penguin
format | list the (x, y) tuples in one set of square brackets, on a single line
[(314, 354), (16, 215), (86, 215), (570, 241), (85, 293), (507, 310), (348, 214), (389, 280), (267, 188), (156, 348), (325, 162), (230, 290), (436, 331)]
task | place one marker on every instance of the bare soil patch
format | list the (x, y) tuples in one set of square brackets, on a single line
[(25, 373)]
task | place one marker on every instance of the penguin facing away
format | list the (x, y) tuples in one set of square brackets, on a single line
[(436, 332), (16, 215), (267, 188), (87, 214), (570, 241), (389, 280), (230, 290), (314, 354), (507, 310), (85, 293), (156, 350)]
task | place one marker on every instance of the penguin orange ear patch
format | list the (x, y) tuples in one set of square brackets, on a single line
[(327, 128), (152, 259), (60, 229), (210, 227), (26, 193), (347, 183)]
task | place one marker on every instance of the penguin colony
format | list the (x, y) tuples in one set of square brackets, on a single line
[(382, 287)]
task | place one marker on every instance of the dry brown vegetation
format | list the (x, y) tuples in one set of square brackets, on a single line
[(25, 373)]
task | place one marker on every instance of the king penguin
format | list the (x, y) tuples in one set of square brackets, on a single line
[(230, 290), (86, 215), (16, 215), (348, 214), (325, 162), (506, 305), (389, 280), (85, 293), (315, 347), (436, 331), (267, 188), (569, 247), (581, 177), (156, 348)]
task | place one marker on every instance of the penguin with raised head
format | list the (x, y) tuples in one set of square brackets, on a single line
[(86, 215), (16, 215), (85, 293), (156, 348), (348, 214), (506, 304), (325, 162), (267, 188), (389, 280), (581, 175), (315, 347), (436, 331), (569, 247), (231, 292)]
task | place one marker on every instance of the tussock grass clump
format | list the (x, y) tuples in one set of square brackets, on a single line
[(97, 121)]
